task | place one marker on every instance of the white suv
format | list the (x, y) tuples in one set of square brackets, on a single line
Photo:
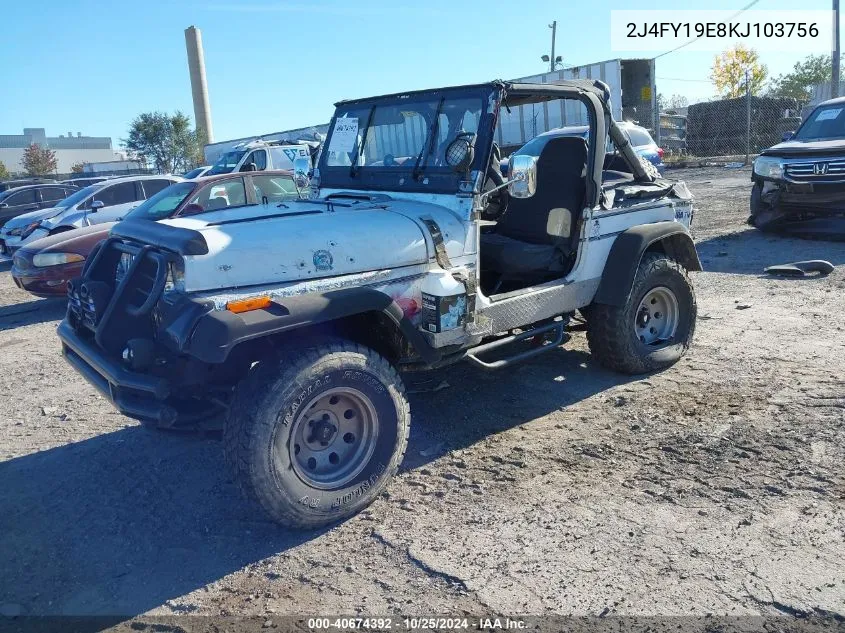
[(413, 253)]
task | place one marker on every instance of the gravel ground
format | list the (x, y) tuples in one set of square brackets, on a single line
[(555, 487)]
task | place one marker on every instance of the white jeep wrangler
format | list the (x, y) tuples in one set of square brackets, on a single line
[(294, 321)]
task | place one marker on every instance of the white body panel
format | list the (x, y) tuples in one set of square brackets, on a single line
[(310, 240), (603, 228)]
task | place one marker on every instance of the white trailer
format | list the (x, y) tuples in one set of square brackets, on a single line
[(633, 97)]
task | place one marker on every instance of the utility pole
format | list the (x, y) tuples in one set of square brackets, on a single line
[(553, 27), (748, 113), (834, 80)]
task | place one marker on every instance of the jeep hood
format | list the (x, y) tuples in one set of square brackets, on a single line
[(302, 240), (796, 148)]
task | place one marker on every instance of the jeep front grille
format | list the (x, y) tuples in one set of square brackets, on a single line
[(123, 283), (816, 170)]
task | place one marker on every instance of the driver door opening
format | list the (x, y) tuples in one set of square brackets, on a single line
[(536, 239)]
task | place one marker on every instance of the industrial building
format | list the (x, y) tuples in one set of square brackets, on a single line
[(69, 149)]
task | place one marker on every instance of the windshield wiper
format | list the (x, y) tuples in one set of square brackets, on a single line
[(429, 142), (353, 169)]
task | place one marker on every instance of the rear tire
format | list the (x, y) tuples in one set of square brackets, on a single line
[(315, 434), (655, 325)]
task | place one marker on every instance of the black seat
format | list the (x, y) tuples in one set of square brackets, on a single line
[(520, 244)]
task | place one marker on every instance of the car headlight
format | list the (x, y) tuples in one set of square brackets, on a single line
[(14, 232), (54, 259), (768, 167)]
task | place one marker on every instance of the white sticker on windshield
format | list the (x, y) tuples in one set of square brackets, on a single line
[(345, 134), (832, 113)]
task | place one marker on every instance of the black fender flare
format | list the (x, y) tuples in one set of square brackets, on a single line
[(671, 238), (219, 331)]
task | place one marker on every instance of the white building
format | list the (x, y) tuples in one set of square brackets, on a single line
[(69, 149)]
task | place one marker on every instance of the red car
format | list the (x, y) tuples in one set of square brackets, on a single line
[(44, 267)]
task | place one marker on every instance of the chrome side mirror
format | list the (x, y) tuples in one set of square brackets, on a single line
[(522, 173), (301, 168), (96, 205)]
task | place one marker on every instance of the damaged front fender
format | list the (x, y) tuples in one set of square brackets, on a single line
[(801, 209)]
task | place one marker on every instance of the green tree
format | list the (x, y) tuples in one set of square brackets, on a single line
[(166, 142), (734, 68), (4, 173), (672, 103), (812, 70), (39, 161)]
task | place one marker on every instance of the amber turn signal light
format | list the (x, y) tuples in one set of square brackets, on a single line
[(247, 305)]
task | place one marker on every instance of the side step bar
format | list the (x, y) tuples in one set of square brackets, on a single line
[(560, 337)]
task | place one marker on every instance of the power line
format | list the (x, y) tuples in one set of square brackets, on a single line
[(706, 81), (695, 39)]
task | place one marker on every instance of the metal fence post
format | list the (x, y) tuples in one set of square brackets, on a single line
[(747, 115)]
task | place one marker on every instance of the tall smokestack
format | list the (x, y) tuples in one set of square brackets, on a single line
[(199, 87)]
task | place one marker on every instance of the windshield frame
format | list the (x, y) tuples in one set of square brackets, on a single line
[(400, 178)]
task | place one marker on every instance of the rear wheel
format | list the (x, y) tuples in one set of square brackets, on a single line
[(314, 436), (655, 325)]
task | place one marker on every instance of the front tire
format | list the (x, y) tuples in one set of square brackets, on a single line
[(655, 325), (314, 435)]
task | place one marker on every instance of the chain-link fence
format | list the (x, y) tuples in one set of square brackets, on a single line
[(696, 123), (728, 127)]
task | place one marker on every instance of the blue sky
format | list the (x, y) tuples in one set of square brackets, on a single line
[(90, 67)]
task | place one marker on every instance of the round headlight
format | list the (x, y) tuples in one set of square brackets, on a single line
[(460, 152)]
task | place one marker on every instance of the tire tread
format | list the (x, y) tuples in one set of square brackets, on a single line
[(607, 326), (284, 368)]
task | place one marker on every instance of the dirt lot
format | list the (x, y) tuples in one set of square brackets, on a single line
[(556, 487)]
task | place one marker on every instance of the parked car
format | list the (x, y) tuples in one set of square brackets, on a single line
[(105, 201), (20, 182), (293, 321), (263, 155), (85, 181), (43, 267), (798, 186), (19, 229), (638, 136), (14, 202), (199, 172)]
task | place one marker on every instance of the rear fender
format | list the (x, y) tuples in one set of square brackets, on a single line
[(669, 238)]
